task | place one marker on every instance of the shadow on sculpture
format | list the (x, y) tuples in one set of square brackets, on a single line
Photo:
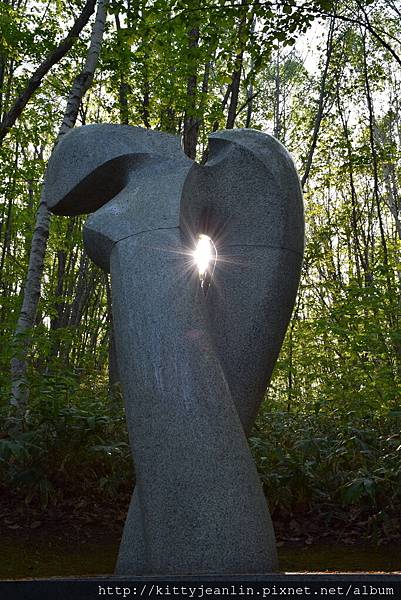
[(194, 366)]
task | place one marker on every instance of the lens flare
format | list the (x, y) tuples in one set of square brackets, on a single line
[(204, 257), (203, 254)]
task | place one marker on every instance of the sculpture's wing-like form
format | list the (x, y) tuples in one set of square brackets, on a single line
[(92, 164), (129, 179), (248, 199)]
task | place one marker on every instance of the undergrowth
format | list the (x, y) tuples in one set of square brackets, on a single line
[(336, 474), (321, 473)]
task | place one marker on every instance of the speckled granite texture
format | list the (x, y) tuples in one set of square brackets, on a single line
[(194, 367)]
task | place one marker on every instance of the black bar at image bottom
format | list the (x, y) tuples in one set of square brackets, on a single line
[(273, 587)]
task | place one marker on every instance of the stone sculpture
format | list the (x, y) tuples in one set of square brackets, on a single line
[(193, 365)]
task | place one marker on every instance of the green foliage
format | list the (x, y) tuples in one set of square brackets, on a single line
[(342, 469), (58, 440)]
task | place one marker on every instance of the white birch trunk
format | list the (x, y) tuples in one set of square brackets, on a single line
[(22, 337)]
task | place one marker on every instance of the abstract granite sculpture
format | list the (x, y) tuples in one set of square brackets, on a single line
[(193, 366)]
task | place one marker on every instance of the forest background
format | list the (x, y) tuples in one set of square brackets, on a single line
[(323, 77)]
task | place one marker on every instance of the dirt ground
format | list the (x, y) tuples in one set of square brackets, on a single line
[(59, 550), (81, 536)]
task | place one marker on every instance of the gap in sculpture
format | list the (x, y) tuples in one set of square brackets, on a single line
[(196, 343)]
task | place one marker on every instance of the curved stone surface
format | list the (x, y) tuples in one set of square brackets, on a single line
[(248, 199), (194, 368), (203, 506)]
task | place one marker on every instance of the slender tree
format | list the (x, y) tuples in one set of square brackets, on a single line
[(35, 80), (19, 389)]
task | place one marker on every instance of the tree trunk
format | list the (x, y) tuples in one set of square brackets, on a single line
[(191, 126), (392, 197), (83, 290), (235, 83), (249, 110), (249, 92), (114, 376), (358, 255), (54, 57), (123, 86), (236, 76), (2, 73), (375, 165), (277, 124), (22, 337), (319, 114)]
